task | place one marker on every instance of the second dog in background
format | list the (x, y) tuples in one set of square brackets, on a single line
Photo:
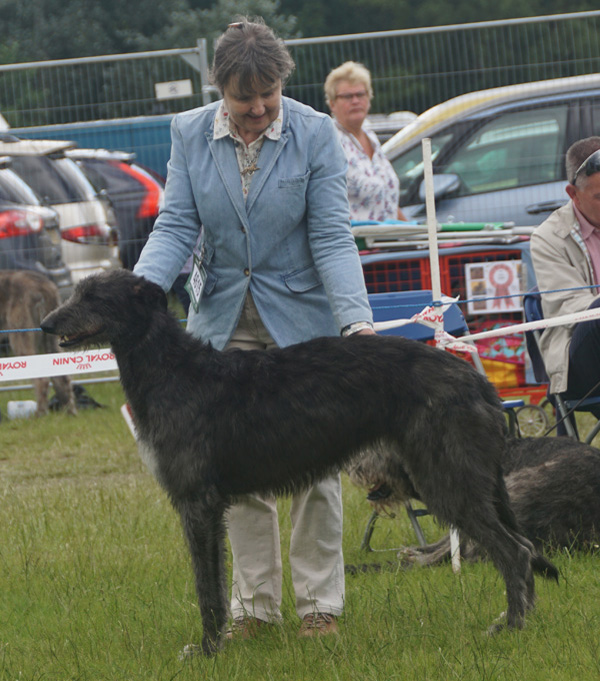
[(553, 484), (26, 297)]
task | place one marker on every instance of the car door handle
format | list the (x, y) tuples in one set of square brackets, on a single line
[(545, 206)]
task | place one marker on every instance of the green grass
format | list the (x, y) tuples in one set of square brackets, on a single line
[(95, 584)]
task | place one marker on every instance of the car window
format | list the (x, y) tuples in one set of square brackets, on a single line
[(45, 178), (514, 150), (109, 175), (409, 165), (14, 190), (76, 178)]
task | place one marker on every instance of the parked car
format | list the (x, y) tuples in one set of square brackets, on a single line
[(87, 224), (29, 232), (387, 125), (135, 193), (498, 154)]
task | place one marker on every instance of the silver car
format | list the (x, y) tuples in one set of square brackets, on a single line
[(87, 223), (29, 232), (498, 154)]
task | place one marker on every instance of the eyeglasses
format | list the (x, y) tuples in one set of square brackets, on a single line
[(591, 165), (351, 95)]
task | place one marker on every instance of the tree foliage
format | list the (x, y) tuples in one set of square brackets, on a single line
[(338, 17), (56, 29)]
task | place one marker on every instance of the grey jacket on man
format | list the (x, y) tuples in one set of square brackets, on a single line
[(561, 261)]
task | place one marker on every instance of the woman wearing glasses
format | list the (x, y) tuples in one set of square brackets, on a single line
[(373, 186), (565, 251)]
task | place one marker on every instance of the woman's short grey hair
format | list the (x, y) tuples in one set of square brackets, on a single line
[(351, 71), (578, 152), (250, 53)]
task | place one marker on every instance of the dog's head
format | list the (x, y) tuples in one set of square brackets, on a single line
[(109, 308)]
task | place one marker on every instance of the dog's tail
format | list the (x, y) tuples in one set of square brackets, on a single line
[(544, 567)]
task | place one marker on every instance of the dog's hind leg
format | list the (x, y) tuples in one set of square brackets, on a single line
[(204, 528), (484, 516), (512, 556)]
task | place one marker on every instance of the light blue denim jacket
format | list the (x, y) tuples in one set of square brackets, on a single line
[(290, 244)]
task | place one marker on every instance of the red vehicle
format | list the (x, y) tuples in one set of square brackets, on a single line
[(134, 192)]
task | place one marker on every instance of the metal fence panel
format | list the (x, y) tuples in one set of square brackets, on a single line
[(412, 69), (415, 69), (106, 87)]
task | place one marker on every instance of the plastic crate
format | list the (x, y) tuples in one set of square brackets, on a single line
[(386, 276)]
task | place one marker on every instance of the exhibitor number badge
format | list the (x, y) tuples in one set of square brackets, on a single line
[(195, 283)]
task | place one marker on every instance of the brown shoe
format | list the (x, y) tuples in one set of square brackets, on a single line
[(318, 624), (244, 627)]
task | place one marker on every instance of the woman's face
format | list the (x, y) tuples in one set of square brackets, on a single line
[(253, 111), (351, 104)]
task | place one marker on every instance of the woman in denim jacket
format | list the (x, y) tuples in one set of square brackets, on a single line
[(257, 184)]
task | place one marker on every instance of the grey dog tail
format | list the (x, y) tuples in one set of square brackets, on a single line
[(544, 567)]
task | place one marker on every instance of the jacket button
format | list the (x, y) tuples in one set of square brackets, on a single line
[(247, 272), (243, 229)]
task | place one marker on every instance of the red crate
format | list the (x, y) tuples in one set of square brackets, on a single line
[(412, 274)]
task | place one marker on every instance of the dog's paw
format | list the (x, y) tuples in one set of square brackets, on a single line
[(190, 651), (498, 625), (194, 650)]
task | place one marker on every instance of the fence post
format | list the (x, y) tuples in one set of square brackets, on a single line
[(207, 88)]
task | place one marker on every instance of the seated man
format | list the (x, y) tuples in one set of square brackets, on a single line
[(565, 250)]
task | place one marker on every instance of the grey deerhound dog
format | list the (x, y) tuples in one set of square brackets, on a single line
[(553, 484), (218, 425), (26, 297)]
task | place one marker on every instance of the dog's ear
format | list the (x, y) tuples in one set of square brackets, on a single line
[(151, 294)]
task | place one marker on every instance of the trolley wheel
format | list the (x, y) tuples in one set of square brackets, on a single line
[(533, 420)]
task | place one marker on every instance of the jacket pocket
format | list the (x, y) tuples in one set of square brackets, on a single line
[(209, 284), (297, 182), (302, 280)]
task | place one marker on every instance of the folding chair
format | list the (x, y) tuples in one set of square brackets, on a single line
[(532, 306), (403, 305)]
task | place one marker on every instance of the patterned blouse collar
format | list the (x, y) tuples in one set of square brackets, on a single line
[(369, 133), (224, 126)]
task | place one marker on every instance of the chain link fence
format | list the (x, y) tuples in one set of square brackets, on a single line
[(412, 69), (417, 68)]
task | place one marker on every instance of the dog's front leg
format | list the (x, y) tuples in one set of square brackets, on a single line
[(204, 529)]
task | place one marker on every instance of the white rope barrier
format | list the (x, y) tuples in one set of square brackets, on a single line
[(562, 320), (94, 361)]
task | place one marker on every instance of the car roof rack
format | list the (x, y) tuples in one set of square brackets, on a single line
[(78, 153), (17, 146)]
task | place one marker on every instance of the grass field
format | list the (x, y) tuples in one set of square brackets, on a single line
[(95, 584)]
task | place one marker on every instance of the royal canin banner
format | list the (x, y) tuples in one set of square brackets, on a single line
[(57, 364)]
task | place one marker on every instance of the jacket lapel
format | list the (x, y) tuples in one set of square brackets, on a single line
[(226, 163), (225, 160), (268, 157)]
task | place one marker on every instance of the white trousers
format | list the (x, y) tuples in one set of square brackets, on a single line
[(316, 559)]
